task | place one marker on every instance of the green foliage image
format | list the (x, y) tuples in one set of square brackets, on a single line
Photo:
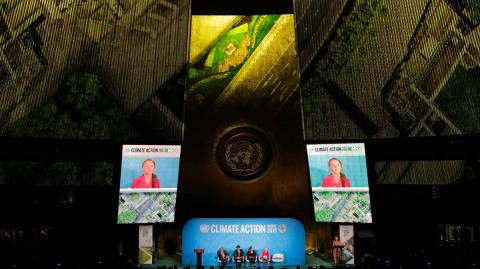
[(324, 215), (127, 216), (209, 76), (460, 99), (80, 110)]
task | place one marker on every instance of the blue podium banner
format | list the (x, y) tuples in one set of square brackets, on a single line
[(280, 236)]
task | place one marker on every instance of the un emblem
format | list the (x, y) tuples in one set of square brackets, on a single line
[(204, 228), (244, 157), (244, 153)]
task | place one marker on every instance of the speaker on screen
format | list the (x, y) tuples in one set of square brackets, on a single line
[(148, 183), (339, 180)]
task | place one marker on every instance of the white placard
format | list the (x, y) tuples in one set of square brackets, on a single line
[(346, 239)]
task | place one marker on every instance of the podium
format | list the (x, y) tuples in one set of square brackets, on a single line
[(339, 249), (199, 252)]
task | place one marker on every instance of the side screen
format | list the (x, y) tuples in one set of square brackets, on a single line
[(148, 183), (339, 180)]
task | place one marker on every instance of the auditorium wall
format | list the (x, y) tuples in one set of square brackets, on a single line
[(356, 69)]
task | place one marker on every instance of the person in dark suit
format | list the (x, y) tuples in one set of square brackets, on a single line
[(238, 257), (251, 256)]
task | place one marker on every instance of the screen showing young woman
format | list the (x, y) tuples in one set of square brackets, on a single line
[(339, 179), (148, 183)]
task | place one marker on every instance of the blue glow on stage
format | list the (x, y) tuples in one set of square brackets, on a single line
[(280, 235)]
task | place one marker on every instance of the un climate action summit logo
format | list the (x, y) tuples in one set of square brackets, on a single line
[(282, 228), (204, 228), (244, 153)]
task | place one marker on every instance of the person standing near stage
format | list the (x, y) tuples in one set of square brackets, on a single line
[(336, 251), (222, 256), (265, 257), (251, 256), (238, 256)]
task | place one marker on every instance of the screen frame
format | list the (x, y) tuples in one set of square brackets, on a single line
[(118, 168), (370, 174)]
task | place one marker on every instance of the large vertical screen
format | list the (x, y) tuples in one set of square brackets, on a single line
[(339, 179), (148, 183)]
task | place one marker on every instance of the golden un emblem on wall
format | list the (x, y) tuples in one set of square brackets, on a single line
[(244, 153)]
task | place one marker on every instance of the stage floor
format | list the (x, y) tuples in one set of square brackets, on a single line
[(164, 259)]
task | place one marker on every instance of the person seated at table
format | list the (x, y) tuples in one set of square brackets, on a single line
[(251, 256), (265, 257), (238, 257), (222, 256)]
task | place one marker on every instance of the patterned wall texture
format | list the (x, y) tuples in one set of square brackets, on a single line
[(113, 69), (391, 68), (101, 69)]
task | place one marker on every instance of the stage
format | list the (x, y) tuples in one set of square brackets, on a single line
[(170, 260)]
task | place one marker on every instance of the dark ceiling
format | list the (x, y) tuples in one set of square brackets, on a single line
[(245, 7)]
